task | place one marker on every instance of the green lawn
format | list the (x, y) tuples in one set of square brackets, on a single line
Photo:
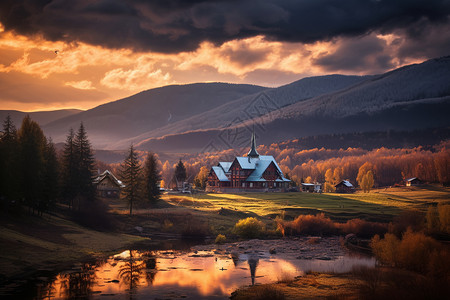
[(378, 205)]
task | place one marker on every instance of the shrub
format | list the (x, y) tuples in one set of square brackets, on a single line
[(310, 225), (413, 219), (432, 219), (411, 252), (444, 217), (385, 250), (196, 229), (249, 228), (362, 228), (415, 249), (220, 239), (94, 214)]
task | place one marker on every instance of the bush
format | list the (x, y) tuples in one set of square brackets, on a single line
[(220, 239), (196, 229), (444, 217), (413, 219), (309, 225), (415, 249), (362, 228), (385, 250), (249, 228), (411, 252), (94, 214)]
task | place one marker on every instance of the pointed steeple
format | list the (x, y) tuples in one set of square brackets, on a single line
[(253, 152)]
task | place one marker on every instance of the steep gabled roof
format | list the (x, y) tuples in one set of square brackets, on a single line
[(412, 179), (346, 183), (220, 173), (260, 167), (110, 175), (225, 165)]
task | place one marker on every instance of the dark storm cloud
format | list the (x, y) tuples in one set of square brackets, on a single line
[(357, 55), (177, 25)]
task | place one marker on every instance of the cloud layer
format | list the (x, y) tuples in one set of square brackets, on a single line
[(61, 53), (172, 26)]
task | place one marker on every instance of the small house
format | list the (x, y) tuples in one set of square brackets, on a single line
[(413, 181), (344, 187), (311, 187), (108, 186)]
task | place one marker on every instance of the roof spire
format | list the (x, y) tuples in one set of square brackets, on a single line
[(253, 152)]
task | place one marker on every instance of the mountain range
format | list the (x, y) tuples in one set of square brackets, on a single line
[(215, 116)]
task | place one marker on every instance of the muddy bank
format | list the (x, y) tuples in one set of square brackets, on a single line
[(328, 248)]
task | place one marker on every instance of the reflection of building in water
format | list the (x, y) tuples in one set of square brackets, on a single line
[(235, 258), (253, 263)]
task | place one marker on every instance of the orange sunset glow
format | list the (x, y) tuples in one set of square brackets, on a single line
[(38, 73), (220, 149)]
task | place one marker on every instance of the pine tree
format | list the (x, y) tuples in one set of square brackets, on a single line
[(69, 169), (180, 173), (131, 176), (32, 146), (152, 178), (78, 166), (51, 177), (85, 165), (9, 177)]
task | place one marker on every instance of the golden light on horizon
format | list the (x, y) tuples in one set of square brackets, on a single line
[(61, 75)]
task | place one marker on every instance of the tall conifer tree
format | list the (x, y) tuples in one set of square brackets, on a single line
[(85, 165), (51, 177), (180, 173), (9, 177), (69, 169), (32, 146), (152, 178), (131, 175)]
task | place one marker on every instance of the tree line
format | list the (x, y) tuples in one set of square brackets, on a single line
[(141, 181), (382, 166), (33, 176)]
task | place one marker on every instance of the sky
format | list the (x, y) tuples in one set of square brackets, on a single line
[(58, 54)]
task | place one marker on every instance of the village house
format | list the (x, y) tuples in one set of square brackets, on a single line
[(251, 173), (344, 187), (311, 187), (108, 186), (413, 181)]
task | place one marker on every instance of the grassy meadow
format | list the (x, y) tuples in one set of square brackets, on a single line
[(378, 205), (54, 240)]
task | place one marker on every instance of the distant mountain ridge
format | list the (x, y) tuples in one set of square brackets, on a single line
[(41, 117), (207, 116), (409, 98)]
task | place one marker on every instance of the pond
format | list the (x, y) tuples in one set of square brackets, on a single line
[(204, 272)]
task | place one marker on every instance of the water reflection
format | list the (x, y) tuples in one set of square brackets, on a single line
[(136, 274), (131, 272), (253, 263)]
